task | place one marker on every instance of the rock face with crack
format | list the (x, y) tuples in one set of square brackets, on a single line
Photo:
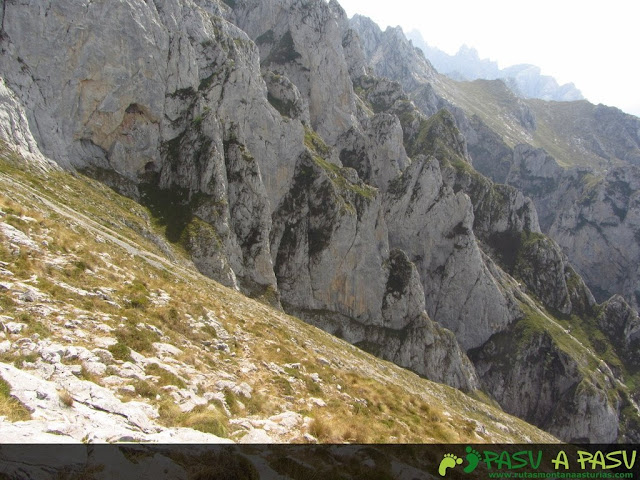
[(549, 393), (89, 412)]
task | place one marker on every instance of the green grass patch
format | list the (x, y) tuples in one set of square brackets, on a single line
[(165, 377), (315, 143), (209, 331), (21, 359), (34, 325), (313, 388), (337, 176), (88, 376), (11, 407), (231, 399), (146, 389), (136, 295), (120, 351), (583, 354), (283, 385), (201, 418), (258, 404), (136, 338)]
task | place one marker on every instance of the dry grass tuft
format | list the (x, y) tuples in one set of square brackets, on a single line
[(66, 398), (321, 429)]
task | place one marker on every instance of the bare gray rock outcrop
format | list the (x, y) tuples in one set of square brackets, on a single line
[(15, 131), (288, 34), (460, 291), (224, 139), (89, 413), (501, 226), (391, 55), (604, 218), (535, 378), (621, 324), (593, 216), (332, 274)]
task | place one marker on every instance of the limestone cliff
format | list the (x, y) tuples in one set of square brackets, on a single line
[(222, 132), (593, 217), (263, 138), (515, 255), (538, 379)]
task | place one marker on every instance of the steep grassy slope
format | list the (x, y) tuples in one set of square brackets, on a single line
[(574, 133), (492, 102), (581, 133), (89, 267)]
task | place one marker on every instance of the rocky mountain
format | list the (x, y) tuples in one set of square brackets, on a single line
[(499, 127), (524, 80), (495, 122), (561, 154), (588, 213), (322, 167), (110, 334)]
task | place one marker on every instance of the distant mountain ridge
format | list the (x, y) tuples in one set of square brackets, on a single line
[(524, 80)]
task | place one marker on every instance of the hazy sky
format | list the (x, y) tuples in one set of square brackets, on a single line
[(595, 45)]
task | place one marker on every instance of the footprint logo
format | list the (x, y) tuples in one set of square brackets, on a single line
[(449, 461), (473, 457)]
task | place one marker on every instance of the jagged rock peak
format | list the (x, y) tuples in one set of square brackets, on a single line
[(391, 55), (526, 81), (303, 40)]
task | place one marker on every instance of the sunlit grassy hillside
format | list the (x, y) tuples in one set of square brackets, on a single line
[(97, 271)]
